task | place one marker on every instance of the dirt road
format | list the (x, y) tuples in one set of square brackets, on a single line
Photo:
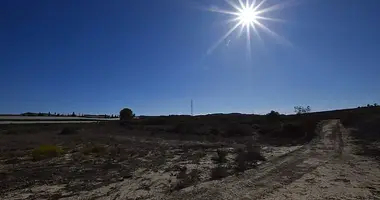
[(324, 169)]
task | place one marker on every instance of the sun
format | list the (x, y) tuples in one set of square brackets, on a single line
[(249, 15)]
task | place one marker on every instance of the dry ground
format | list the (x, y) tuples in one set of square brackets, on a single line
[(99, 163), (119, 166)]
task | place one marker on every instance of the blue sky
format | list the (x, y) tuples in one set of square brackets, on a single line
[(96, 56)]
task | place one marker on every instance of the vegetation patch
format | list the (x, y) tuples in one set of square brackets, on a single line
[(218, 172), (187, 179), (68, 131), (248, 157), (9, 132), (236, 129), (221, 156), (94, 149), (46, 151)]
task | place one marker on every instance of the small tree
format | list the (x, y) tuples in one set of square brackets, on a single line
[(273, 115), (126, 114), (301, 110)]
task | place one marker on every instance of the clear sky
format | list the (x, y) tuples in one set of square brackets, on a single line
[(97, 56)]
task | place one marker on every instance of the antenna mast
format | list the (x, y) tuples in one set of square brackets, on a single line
[(191, 105)]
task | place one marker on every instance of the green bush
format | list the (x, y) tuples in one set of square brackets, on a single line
[(126, 114), (46, 151)]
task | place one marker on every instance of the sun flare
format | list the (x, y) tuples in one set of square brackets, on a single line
[(249, 15)]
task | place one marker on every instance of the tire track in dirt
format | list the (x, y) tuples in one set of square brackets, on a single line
[(258, 183)]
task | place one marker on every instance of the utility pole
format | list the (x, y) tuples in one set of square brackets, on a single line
[(191, 105)]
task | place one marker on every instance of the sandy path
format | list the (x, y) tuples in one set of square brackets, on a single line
[(324, 169)]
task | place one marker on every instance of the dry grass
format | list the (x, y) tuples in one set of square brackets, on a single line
[(46, 151)]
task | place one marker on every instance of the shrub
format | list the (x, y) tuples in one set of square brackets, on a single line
[(198, 156), (68, 131), (221, 158), (95, 149), (218, 172), (349, 119), (254, 155), (238, 130), (249, 157), (46, 151), (301, 110), (293, 131), (126, 114), (273, 115), (186, 180), (240, 161), (184, 128), (214, 131), (10, 132)]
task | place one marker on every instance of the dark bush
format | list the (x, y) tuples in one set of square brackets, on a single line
[(214, 131), (295, 130), (349, 120), (221, 158), (9, 132), (249, 157), (126, 114), (218, 172), (184, 128), (254, 155), (240, 161), (238, 130), (68, 131), (94, 149), (186, 180), (291, 130), (155, 121), (273, 116)]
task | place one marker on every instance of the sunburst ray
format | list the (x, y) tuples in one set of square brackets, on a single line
[(248, 14)]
